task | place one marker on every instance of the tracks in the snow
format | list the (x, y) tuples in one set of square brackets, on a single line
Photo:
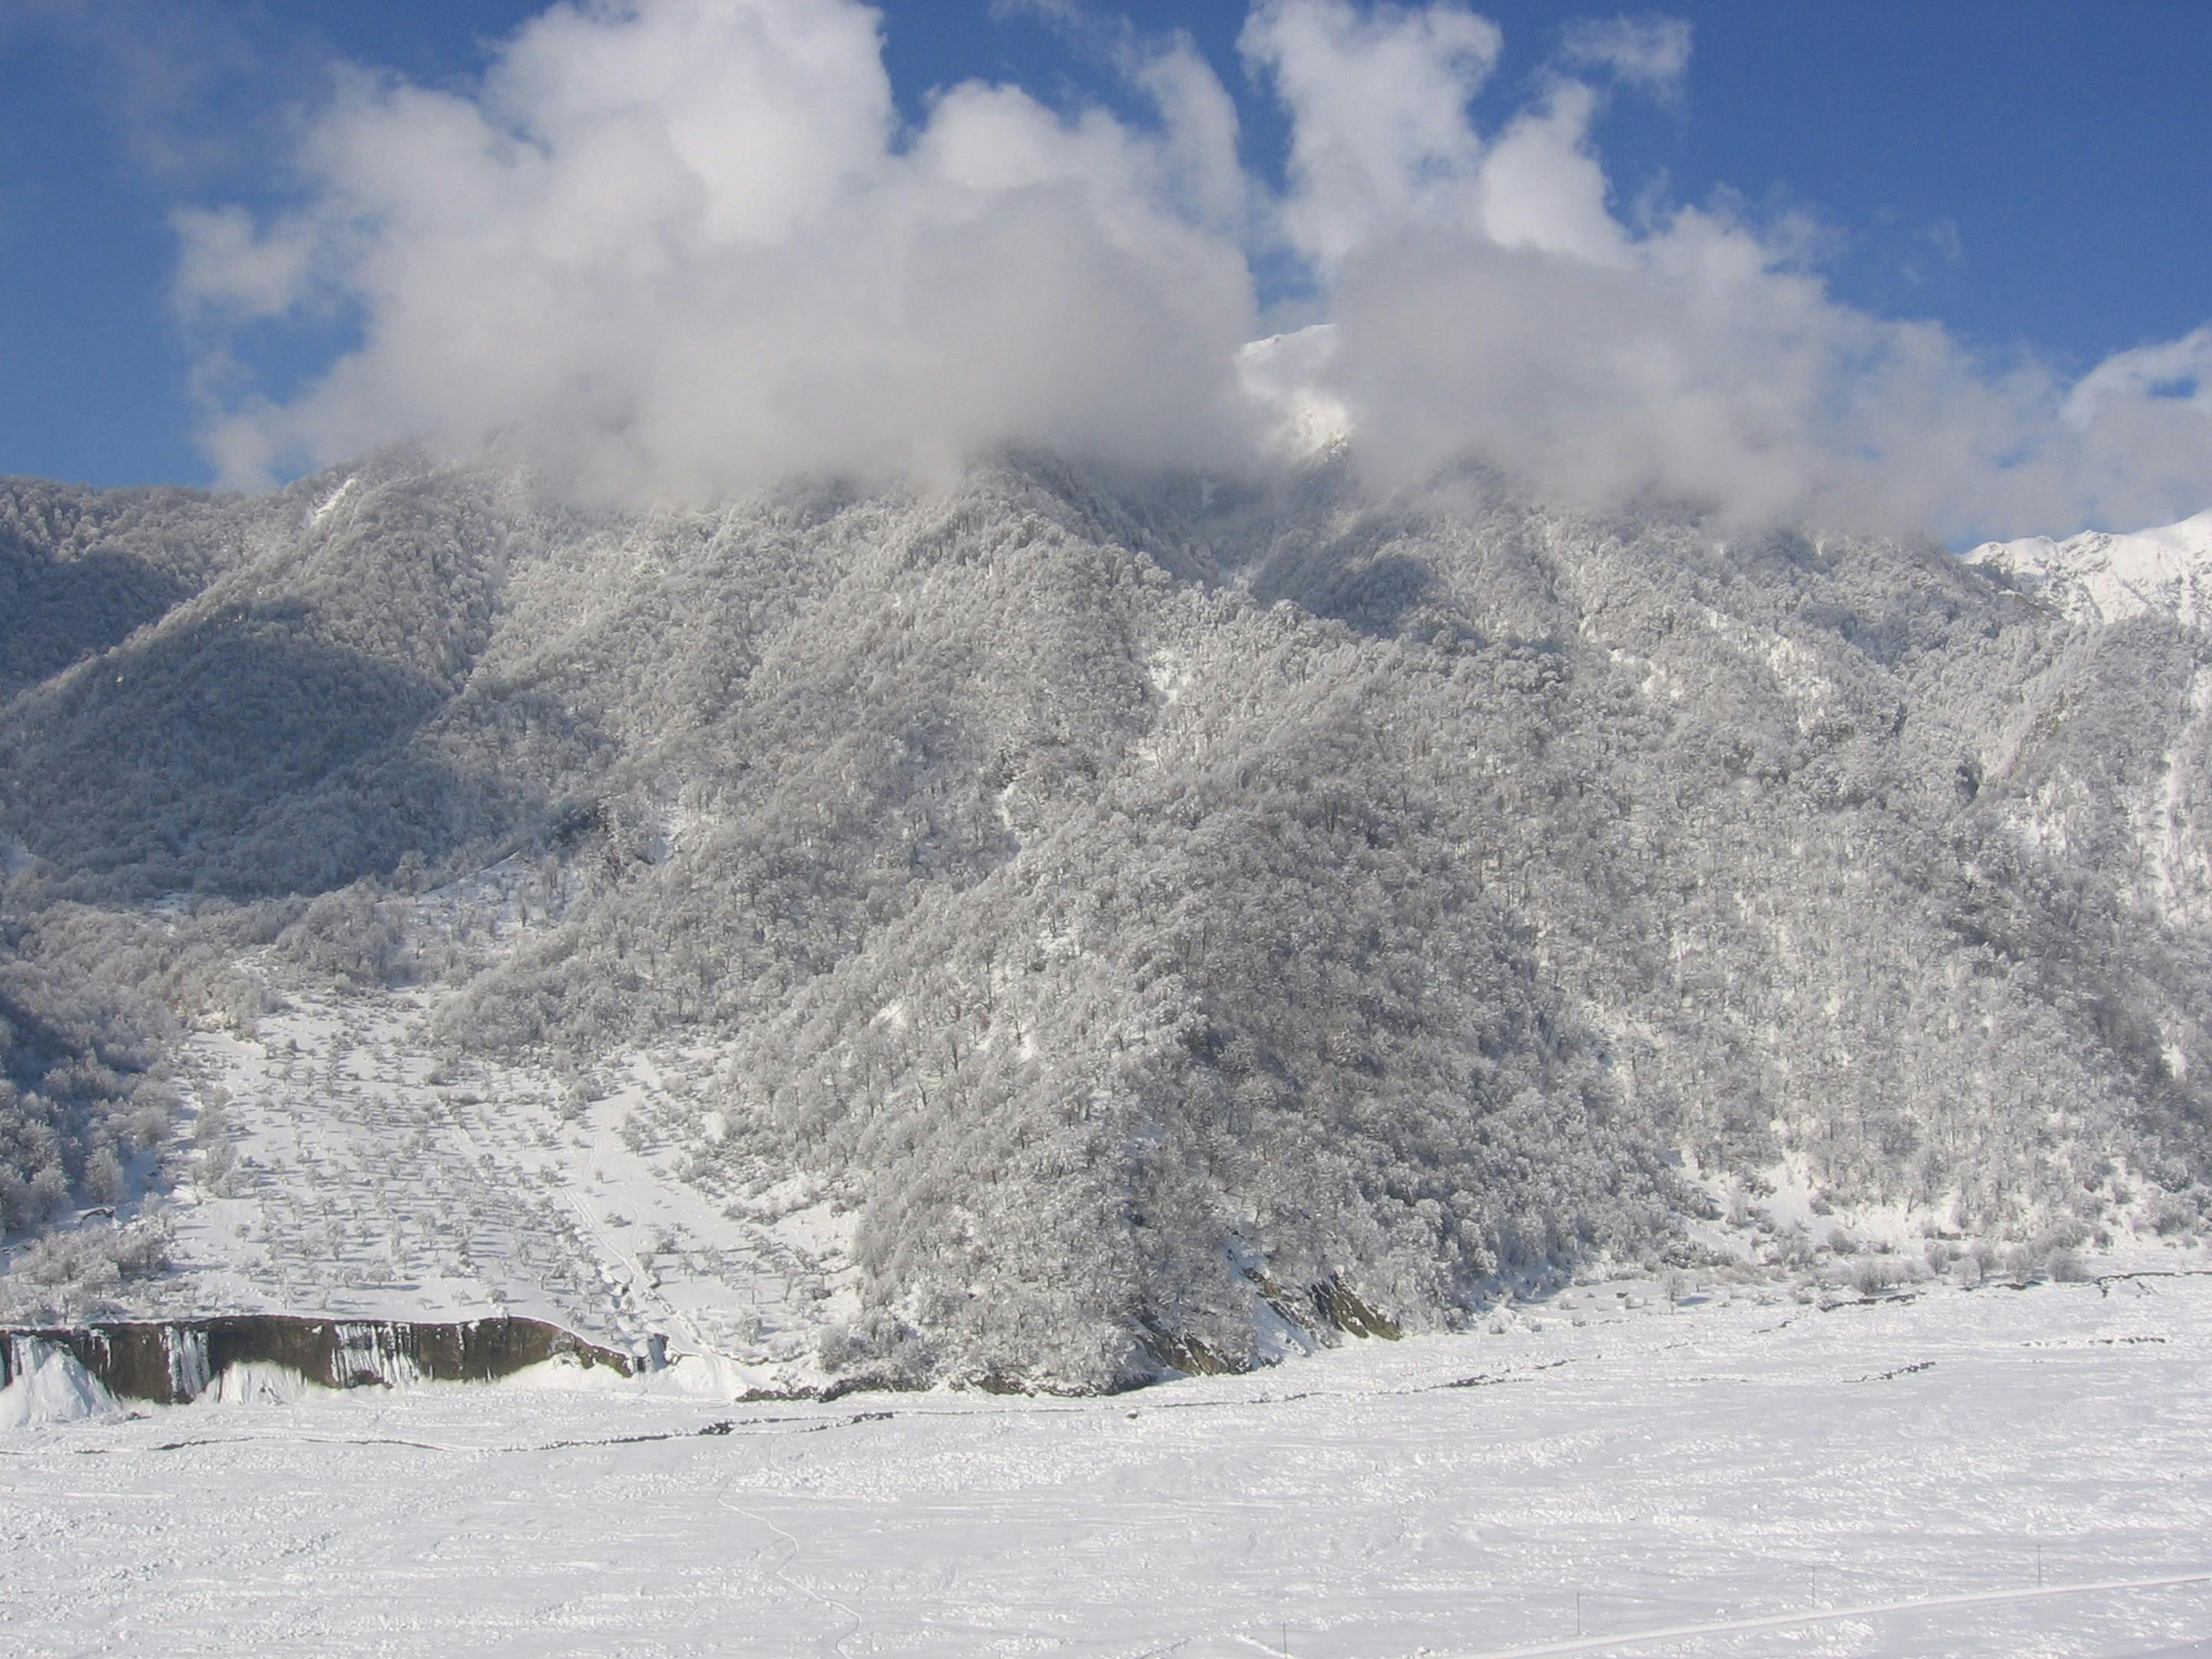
[(1824, 1615)]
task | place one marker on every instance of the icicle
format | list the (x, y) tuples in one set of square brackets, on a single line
[(185, 1348)]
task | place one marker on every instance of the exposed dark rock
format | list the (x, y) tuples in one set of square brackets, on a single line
[(171, 1361)]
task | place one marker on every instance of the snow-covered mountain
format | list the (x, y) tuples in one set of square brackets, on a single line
[(1063, 924), (2102, 577), (1282, 374)]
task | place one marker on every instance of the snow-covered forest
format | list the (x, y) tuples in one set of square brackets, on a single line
[(1142, 909)]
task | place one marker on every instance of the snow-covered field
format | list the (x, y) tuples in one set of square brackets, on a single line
[(1744, 1477)]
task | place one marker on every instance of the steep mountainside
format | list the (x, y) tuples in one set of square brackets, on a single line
[(80, 569), (1140, 910)]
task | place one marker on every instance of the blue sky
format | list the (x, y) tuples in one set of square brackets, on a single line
[(2031, 175)]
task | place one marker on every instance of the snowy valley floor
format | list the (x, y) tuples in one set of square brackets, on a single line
[(1744, 1476)]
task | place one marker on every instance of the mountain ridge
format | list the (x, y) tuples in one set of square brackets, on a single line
[(1133, 906), (2110, 577)]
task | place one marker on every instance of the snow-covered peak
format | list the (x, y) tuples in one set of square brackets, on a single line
[(2102, 577), (1283, 374)]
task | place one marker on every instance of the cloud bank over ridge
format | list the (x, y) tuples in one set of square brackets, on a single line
[(682, 248)]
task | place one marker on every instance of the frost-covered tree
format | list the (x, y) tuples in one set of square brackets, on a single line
[(1147, 906)]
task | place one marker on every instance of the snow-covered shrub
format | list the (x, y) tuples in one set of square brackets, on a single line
[(1873, 1275), (65, 1275)]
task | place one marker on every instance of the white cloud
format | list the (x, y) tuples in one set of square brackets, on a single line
[(2140, 425), (1056, 11), (681, 248), (1488, 301), (226, 265), (672, 248), (1652, 52), (1201, 130), (1381, 136)]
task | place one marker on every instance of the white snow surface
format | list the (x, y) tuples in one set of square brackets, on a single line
[(359, 1173), (1998, 1472), (2100, 577), (51, 1388)]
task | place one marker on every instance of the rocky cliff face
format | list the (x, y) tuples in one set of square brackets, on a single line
[(169, 1363)]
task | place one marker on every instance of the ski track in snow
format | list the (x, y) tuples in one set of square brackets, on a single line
[(1869, 1610), (1873, 1480), (782, 1571)]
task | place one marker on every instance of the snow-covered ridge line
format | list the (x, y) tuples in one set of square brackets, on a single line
[(2103, 577)]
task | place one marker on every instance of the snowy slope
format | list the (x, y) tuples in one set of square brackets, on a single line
[(1976, 1474), (2102, 577), (2097, 579), (1023, 929), (357, 1171)]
